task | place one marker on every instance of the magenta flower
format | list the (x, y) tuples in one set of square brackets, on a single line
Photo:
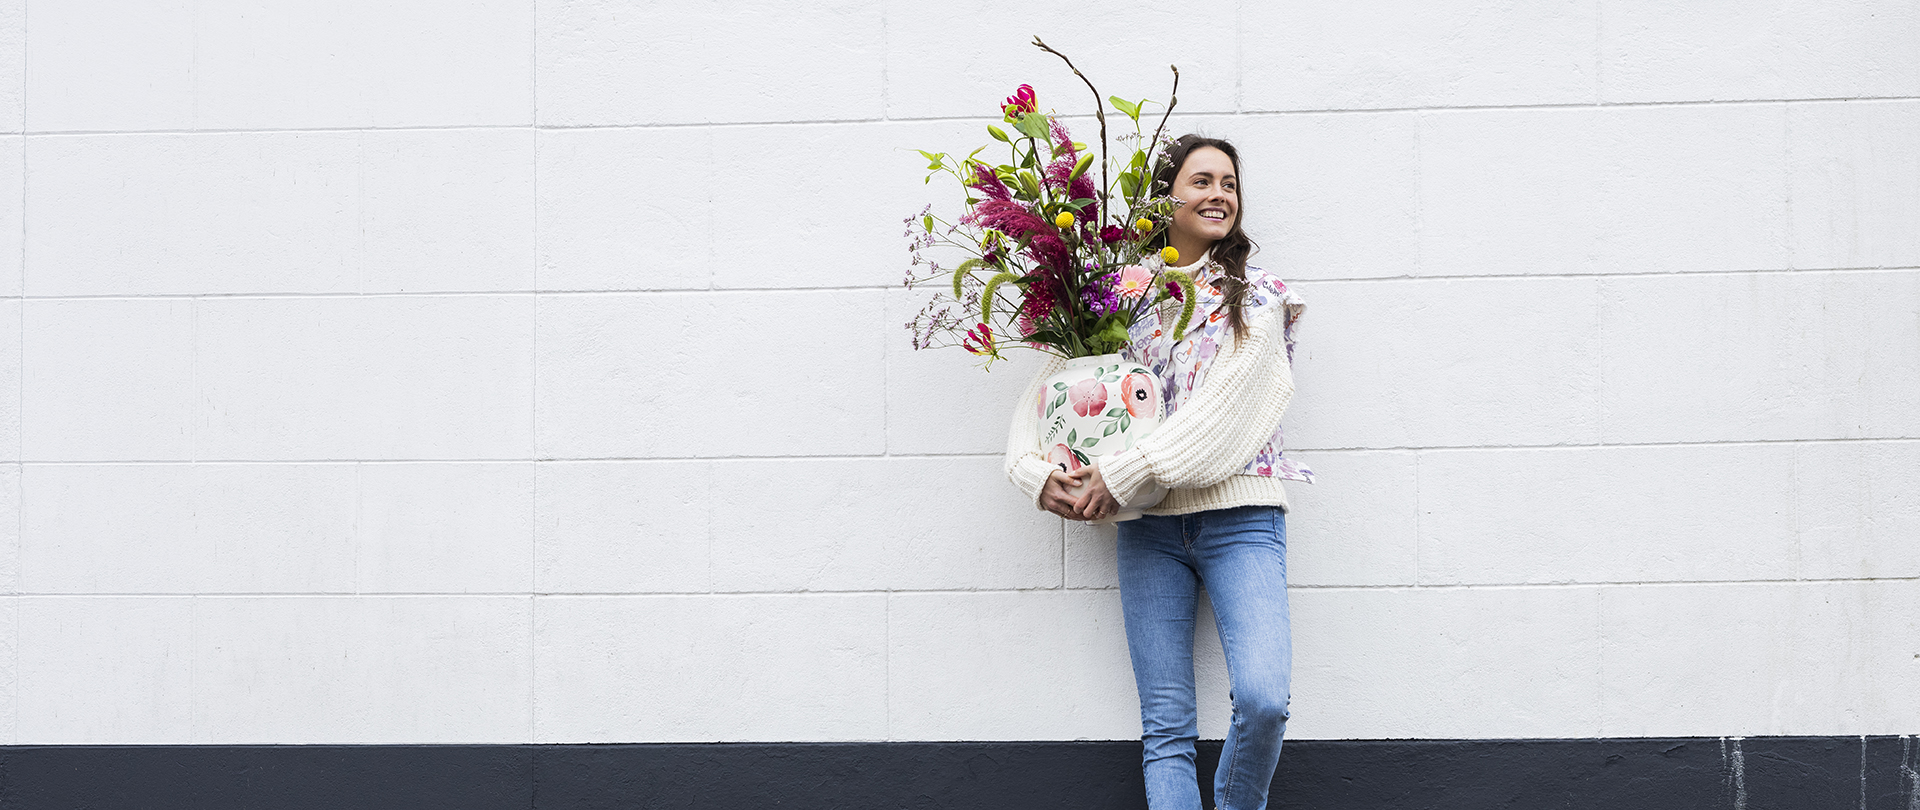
[(1173, 289), (1022, 101), (979, 340), (1112, 234)]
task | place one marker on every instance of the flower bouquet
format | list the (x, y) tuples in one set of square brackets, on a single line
[(1045, 255), (1059, 264)]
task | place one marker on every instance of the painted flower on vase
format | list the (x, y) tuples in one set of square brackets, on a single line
[(1062, 457), (1088, 397), (1141, 395)]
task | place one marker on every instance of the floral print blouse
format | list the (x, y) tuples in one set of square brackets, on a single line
[(1182, 367)]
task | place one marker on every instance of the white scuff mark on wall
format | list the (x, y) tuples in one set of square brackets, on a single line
[(1733, 769), (1909, 773)]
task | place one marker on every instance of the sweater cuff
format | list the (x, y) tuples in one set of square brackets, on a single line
[(1129, 478), (1030, 475)]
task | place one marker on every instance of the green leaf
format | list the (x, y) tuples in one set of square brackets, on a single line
[(1072, 435), (1132, 110), (1059, 386), (1057, 402), (1126, 421), (1091, 441), (1139, 159), (1129, 184), (1116, 411), (1033, 125), (1111, 428), (998, 134), (927, 221)]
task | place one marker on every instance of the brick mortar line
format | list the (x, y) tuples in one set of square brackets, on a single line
[(934, 456), (173, 296), (888, 120), (882, 593)]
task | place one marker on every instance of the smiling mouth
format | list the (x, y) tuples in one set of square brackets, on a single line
[(1214, 214)]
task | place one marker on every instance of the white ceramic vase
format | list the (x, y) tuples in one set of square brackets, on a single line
[(1097, 406)]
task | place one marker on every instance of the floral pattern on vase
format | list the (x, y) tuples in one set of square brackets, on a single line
[(1097, 406)]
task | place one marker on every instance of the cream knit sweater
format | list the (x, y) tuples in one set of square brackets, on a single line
[(1198, 451)]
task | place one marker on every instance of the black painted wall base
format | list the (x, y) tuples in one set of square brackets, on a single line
[(1756, 773)]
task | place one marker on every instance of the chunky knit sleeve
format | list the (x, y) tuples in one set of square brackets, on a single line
[(1220, 427), (1026, 468)]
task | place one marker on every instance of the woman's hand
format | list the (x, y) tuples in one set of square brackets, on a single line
[(1096, 502), (1054, 496)]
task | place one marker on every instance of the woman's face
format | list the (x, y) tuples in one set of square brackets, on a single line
[(1212, 195)]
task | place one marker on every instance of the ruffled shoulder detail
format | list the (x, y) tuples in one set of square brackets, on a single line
[(1265, 290)]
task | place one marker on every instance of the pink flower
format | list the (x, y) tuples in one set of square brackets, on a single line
[(1173, 289), (1022, 101), (1137, 391), (1063, 458), (1088, 397), (1134, 280)]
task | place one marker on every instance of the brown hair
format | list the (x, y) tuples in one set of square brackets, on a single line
[(1231, 251)]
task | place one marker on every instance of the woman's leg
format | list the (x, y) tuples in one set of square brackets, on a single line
[(1158, 594), (1242, 558)]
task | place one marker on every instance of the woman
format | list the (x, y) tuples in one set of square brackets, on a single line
[(1222, 522)]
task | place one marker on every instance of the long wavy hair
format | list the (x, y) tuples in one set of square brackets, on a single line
[(1232, 251)]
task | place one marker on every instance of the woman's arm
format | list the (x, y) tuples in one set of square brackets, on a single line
[(1026, 468), (1222, 424)]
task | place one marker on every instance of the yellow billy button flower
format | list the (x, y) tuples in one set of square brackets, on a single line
[(1065, 220), (1143, 225), (1169, 255)]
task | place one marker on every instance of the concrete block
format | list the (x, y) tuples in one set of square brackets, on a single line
[(177, 528), (964, 59), (866, 524), (711, 669), (10, 379), (13, 179), (618, 211), (710, 374), (1771, 356), (9, 529), (1330, 196), (1761, 658), (1358, 523), (1025, 665), (365, 378), (1654, 51), (1091, 561), (1608, 514), (282, 212), (106, 65), (1855, 182), (1856, 509), (445, 528), (1603, 190), (1322, 56), (1518, 364), (1447, 663), (13, 65), (622, 527), (229, 64), (362, 670), (104, 670), (603, 62), (824, 204), (107, 380), (941, 400)]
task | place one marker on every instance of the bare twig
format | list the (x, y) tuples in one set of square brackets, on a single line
[(1173, 99), (1100, 110)]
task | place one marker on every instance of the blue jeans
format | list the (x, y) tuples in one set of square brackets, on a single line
[(1240, 556)]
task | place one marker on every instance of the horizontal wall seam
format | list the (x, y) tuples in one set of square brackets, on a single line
[(887, 119), (937, 456), (562, 595), (1674, 274)]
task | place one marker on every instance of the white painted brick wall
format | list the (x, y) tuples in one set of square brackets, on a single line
[(531, 370)]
